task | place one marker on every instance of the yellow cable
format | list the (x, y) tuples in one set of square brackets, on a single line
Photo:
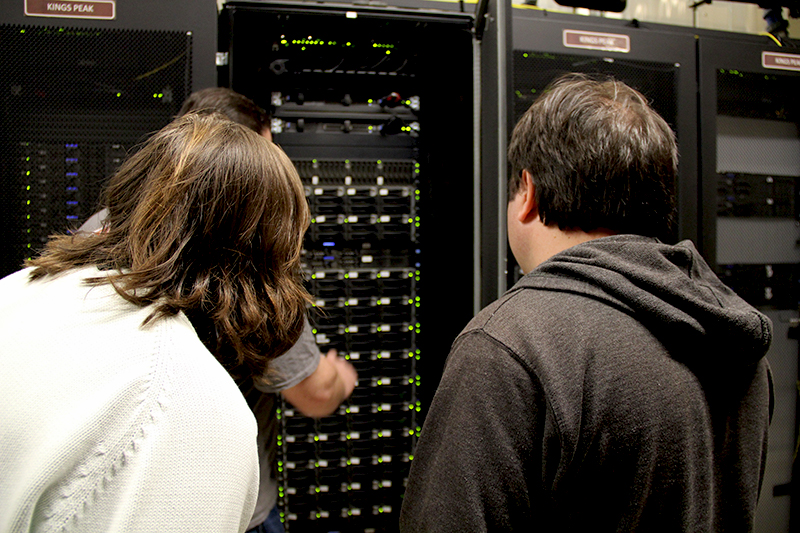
[(772, 37)]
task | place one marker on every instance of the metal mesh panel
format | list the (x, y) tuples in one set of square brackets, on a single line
[(533, 71), (758, 167), (74, 102)]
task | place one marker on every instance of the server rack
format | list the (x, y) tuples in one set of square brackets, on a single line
[(657, 60), (750, 168), (374, 107), (79, 93)]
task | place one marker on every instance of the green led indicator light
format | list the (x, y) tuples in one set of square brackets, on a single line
[(22, 31), (388, 52), (525, 54), (119, 94)]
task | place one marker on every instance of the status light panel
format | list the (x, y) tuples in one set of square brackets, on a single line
[(361, 260)]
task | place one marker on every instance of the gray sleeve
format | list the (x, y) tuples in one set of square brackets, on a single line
[(95, 222), (294, 366)]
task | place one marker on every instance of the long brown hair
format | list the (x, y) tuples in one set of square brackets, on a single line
[(207, 218)]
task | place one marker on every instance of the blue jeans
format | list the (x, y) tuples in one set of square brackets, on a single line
[(272, 524)]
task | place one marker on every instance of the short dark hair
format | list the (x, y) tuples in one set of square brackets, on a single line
[(233, 105), (600, 158), (206, 218)]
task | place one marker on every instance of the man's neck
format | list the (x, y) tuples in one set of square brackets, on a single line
[(551, 240)]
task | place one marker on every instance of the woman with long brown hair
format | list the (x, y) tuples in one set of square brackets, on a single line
[(118, 413)]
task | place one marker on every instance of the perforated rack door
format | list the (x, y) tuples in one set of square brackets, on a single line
[(74, 103)]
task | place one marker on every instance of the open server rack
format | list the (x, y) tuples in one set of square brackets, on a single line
[(374, 107)]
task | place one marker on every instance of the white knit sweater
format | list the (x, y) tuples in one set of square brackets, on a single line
[(108, 426)]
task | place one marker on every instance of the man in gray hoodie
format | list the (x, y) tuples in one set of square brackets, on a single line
[(619, 385)]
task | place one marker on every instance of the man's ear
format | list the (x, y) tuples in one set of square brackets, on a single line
[(529, 209)]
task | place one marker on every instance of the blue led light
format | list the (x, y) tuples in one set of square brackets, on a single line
[(329, 244), (328, 258)]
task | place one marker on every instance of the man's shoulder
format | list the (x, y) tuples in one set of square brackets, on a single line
[(527, 303)]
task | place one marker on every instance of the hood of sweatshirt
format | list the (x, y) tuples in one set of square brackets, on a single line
[(671, 290)]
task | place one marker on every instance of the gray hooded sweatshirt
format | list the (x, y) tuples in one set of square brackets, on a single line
[(620, 386)]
